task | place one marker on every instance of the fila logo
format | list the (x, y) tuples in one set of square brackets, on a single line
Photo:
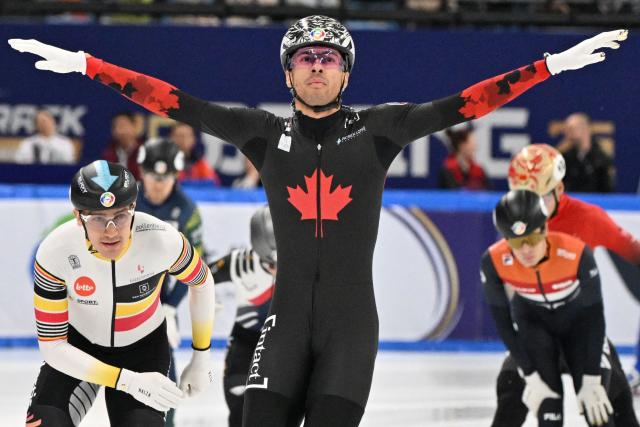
[(552, 416)]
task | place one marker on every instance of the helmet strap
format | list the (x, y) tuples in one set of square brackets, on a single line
[(86, 234), (555, 197)]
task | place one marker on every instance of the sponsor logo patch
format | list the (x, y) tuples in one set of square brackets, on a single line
[(107, 199), (318, 34), (84, 286), (74, 261)]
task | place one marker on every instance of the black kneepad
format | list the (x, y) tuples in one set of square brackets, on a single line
[(550, 413), (511, 412), (510, 383)]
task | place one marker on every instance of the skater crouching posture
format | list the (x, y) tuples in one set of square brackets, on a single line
[(97, 289), (543, 289)]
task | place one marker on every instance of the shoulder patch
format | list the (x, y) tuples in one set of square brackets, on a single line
[(507, 259), (564, 253)]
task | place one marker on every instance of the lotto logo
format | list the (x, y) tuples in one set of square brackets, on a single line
[(84, 286)]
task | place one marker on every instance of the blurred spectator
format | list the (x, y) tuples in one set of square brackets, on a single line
[(250, 179), (136, 19), (460, 169), (589, 169), (124, 144), (46, 146), (196, 167)]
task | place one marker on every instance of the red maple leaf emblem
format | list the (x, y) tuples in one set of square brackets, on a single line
[(331, 202)]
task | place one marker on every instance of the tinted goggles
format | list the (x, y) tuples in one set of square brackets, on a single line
[(305, 58), (531, 240)]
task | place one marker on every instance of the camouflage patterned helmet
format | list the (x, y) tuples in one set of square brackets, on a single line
[(318, 30), (537, 167)]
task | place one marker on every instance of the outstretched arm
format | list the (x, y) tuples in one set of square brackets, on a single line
[(235, 125), (412, 121)]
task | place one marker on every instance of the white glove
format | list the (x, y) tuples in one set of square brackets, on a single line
[(583, 53), (197, 375), (593, 399), (151, 388), (536, 391), (172, 325), (252, 275), (55, 59)]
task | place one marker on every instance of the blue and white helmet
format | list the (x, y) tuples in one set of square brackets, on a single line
[(318, 30)]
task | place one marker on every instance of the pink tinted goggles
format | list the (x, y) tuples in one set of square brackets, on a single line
[(328, 58)]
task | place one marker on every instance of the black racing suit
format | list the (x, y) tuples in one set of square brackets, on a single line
[(253, 291), (324, 180)]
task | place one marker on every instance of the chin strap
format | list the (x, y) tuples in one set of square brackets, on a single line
[(316, 108), (555, 197)]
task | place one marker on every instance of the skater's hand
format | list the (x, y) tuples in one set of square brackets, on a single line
[(55, 59), (536, 391), (173, 334), (151, 388), (593, 400), (584, 53), (197, 375), (251, 273)]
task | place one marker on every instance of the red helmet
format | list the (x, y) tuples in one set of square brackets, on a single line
[(537, 167)]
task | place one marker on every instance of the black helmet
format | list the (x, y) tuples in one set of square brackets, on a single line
[(263, 241), (318, 30), (161, 156), (102, 185), (519, 213)]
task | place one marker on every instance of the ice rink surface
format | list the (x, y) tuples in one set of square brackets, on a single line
[(409, 389)]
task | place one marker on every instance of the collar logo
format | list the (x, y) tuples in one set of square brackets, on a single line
[(107, 199)]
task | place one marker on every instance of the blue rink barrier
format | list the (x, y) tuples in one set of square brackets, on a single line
[(462, 346), (433, 200), (468, 325)]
